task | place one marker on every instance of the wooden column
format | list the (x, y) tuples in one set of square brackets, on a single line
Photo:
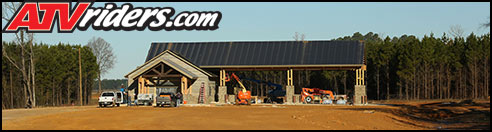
[(142, 89), (184, 86), (360, 96), (364, 69), (357, 77), (140, 84), (222, 78), (147, 88), (289, 89), (360, 76), (222, 93), (290, 80)]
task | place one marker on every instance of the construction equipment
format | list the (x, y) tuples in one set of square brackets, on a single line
[(319, 96), (243, 96), (276, 95)]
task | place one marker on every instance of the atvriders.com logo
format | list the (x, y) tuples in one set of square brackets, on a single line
[(40, 17)]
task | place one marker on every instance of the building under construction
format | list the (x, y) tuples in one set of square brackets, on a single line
[(199, 69)]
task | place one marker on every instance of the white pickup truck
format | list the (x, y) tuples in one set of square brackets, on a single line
[(144, 99), (110, 98)]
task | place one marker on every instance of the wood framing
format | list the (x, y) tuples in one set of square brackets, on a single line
[(359, 76), (184, 86), (290, 76), (169, 66), (222, 77)]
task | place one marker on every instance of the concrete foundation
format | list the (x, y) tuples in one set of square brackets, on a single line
[(360, 96), (222, 94), (231, 98), (297, 98), (289, 93)]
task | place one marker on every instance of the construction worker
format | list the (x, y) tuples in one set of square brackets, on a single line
[(178, 98), (350, 97)]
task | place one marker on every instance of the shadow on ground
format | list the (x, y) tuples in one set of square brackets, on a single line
[(462, 115)]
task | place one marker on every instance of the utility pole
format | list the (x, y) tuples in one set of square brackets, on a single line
[(80, 79)]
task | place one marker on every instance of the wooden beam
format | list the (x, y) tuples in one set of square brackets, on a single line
[(171, 79), (168, 71), (172, 75), (162, 68), (152, 80), (158, 73)]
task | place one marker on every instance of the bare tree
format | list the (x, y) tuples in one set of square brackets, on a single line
[(486, 24), (299, 37), (104, 55), (456, 31), (23, 39)]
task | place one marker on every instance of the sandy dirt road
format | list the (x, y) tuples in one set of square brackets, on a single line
[(219, 117), (215, 117)]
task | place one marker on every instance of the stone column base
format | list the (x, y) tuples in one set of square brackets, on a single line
[(359, 94), (231, 98), (289, 93), (222, 94)]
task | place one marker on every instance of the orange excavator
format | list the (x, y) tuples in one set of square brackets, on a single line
[(243, 96)]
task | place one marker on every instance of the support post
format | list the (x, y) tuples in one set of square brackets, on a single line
[(222, 87), (290, 77), (184, 86), (360, 96), (357, 77), (289, 89), (362, 70)]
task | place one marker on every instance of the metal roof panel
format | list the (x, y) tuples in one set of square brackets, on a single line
[(259, 53)]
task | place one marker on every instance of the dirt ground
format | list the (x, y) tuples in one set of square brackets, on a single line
[(396, 116)]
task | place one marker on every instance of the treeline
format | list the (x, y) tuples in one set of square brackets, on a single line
[(56, 75), (431, 67), (111, 84)]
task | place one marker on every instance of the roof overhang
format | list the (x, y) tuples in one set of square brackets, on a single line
[(281, 66), (149, 64), (285, 67)]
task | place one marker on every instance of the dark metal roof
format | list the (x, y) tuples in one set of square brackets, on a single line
[(258, 53)]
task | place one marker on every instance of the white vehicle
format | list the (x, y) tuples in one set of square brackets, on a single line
[(110, 98), (144, 99)]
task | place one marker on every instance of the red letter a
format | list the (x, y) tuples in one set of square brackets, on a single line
[(29, 9)]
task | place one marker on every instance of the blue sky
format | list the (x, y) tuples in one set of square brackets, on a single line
[(279, 21)]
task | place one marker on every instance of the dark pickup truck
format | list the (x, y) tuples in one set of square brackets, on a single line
[(166, 96)]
